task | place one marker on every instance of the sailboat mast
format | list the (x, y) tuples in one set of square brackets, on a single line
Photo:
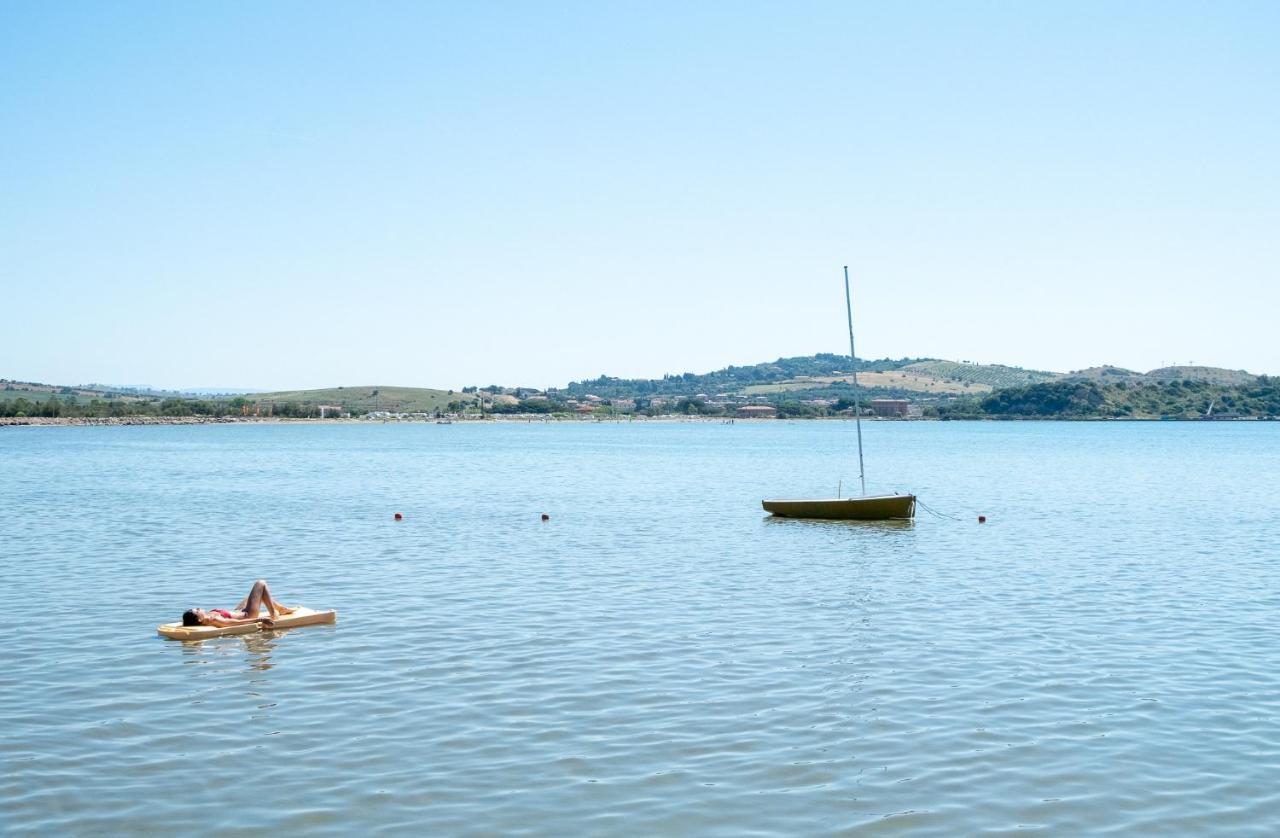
[(853, 360)]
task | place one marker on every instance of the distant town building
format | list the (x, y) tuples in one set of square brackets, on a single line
[(757, 411), (890, 407)]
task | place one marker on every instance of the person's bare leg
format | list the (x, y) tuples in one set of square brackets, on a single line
[(254, 601), (268, 603), (280, 607), (263, 592), (274, 608)]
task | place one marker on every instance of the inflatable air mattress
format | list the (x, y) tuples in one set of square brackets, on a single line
[(300, 617)]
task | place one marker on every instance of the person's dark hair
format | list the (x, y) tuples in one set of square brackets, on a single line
[(189, 617)]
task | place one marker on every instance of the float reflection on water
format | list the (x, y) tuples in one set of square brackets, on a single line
[(254, 649)]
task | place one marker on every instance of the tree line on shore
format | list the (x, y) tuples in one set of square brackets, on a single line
[(1064, 399), (731, 378), (1178, 399), (688, 406), (1067, 399), (73, 408)]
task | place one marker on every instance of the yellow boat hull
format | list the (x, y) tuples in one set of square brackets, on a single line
[(879, 508)]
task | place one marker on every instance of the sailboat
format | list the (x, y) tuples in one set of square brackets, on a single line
[(867, 507)]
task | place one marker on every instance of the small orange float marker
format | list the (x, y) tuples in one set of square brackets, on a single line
[(399, 517)]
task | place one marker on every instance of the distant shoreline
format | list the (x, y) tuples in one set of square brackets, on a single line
[(55, 421), (507, 419), (121, 421)]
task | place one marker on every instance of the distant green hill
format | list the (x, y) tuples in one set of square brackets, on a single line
[(20, 398), (365, 398), (1106, 374), (994, 376), (1209, 375), (815, 384), (729, 380), (822, 376), (32, 392), (1088, 399)]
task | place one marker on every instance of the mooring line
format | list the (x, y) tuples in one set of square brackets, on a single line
[(932, 511)]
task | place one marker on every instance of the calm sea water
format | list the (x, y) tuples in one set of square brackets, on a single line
[(660, 658)]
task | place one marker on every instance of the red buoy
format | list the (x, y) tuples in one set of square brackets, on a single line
[(982, 519), (546, 517), (399, 517)]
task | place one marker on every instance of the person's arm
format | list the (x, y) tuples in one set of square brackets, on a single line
[(223, 622)]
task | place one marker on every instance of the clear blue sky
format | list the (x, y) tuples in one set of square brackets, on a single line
[(272, 194)]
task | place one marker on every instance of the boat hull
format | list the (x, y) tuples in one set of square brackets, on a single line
[(879, 508)]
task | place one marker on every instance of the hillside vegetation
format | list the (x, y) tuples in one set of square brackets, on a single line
[(810, 369), (815, 385), (1084, 399), (991, 376), (26, 399), (822, 376), (31, 392), (896, 381), (1208, 375), (1106, 374), (365, 398)]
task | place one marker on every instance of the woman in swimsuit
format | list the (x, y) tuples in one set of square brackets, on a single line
[(246, 612)]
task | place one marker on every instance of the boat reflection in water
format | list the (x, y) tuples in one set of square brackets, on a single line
[(888, 526)]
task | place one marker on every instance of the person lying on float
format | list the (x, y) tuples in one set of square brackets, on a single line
[(245, 612)]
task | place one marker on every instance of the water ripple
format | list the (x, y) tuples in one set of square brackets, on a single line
[(659, 658)]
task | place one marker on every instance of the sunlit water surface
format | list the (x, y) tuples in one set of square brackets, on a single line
[(660, 658)]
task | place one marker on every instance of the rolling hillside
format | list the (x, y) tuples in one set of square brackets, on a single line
[(1106, 374), (1178, 398), (36, 393), (928, 379), (822, 379), (991, 376), (895, 380), (368, 397), (1209, 375)]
